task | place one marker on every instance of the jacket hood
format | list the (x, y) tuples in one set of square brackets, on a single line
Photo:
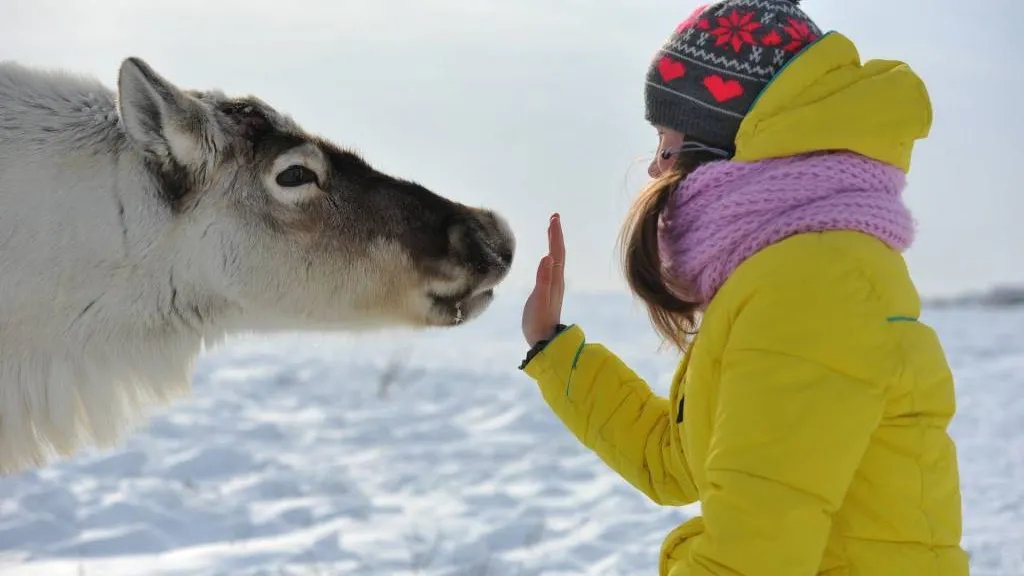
[(826, 99)]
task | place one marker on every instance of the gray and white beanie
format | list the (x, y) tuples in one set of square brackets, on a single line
[(709, 72)]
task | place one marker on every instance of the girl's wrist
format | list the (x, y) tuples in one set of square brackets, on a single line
[(540, 344)]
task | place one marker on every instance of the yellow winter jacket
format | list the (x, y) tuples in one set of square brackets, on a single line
[(809, 416)]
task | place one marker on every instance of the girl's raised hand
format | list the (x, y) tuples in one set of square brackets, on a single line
[(543, 309)]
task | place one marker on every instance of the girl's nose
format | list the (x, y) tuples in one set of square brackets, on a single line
[(653, 170)]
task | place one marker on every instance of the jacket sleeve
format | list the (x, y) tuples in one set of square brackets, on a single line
[(803, 379), (613, 412)]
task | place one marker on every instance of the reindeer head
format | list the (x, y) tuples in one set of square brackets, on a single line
[(295, 231)]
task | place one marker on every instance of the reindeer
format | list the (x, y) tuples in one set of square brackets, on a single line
[(139, 226)]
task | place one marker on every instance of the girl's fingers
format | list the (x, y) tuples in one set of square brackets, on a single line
[(536, 309), (556, 248), (556, 241), (544, 273), (541, 296)]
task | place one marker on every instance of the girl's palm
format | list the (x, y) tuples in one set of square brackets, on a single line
[(543, 309)]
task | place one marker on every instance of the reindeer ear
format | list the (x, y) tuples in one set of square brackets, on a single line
[(161, 119)]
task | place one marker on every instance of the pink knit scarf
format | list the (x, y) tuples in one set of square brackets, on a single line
[(724, 212)]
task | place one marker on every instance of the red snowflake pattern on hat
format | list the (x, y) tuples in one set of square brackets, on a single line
[(736, 30), (800, 35), (772, 38), (691, 19)]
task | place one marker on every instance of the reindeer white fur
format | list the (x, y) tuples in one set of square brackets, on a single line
[(138, 225)]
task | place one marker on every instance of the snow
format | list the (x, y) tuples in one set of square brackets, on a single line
[(429, 453)]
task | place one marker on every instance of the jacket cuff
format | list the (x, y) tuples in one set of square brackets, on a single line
[(558, 355), (540, 345)]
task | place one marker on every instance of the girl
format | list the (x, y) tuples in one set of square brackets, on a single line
[(809, 413)]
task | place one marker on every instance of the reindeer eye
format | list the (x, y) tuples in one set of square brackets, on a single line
[(296, 176)]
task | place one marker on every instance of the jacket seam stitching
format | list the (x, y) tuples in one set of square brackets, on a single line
[(823, 502), (805, 359)]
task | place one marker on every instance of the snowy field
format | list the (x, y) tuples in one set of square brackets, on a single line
[(400, 454)]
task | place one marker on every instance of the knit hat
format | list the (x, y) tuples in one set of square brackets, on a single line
[(708, 73)]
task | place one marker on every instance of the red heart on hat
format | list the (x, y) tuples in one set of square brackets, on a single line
[(723, 90), (670, 69)]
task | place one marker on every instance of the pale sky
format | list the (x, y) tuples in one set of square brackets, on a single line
[(536, 106)]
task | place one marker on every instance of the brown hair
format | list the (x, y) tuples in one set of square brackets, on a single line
[(673, 317)]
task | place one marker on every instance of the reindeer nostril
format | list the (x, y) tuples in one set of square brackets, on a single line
[(505, 256), (481, 242)]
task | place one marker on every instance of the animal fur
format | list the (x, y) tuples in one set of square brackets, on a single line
[(139, 225)]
